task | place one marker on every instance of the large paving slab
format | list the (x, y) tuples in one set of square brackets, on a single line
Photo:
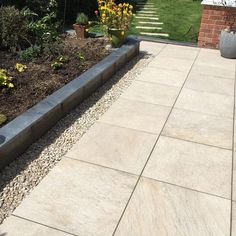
[(171, 63), (147, 92), (162, 209), (79, 198), (163, 76), (210, 84), (209, 103), (191, 165), (200, 128), (115, 147), (233, 219), (137, 115), (182, 52), (15, 226)]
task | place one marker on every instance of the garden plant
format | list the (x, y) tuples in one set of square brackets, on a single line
[(37, 58), (116, 18)]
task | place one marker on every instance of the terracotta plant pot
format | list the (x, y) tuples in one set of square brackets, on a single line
[(228, 44), (118, 37), (81, 31)]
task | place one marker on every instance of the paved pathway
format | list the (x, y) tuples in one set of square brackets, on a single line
[(159, 162), (148, 21)]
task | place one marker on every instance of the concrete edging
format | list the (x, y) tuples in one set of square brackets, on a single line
[(20, 133)]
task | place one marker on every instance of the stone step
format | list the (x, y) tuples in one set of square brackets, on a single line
[(150, 23), (154, 34), (146, 17), (142, 14), (145, 12), (149, 27)]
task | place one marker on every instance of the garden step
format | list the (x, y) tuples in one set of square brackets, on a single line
[(142, 14), (146, 12), (154, 34), (150, 23), (149, 27), (146, 17)]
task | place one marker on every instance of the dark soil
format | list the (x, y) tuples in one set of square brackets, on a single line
[(40, 80)]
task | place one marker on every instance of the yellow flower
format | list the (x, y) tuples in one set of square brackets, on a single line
[(123, 33), (20, 67)]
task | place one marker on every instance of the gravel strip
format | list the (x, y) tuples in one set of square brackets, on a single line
[(21, 176)]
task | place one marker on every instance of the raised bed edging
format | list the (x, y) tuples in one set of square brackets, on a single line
[(20, 133)]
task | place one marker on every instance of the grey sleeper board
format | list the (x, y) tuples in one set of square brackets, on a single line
[(20, 133)]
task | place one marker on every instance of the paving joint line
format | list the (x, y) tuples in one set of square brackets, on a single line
[(35, 222), (190, 189), (190, 141), (99, 165), (154, 144)]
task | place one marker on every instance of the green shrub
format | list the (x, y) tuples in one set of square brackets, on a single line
[(57, 65), (13, 30), (82, 19), (30, 53)]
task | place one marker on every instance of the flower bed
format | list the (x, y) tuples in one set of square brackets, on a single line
[(40, 78)]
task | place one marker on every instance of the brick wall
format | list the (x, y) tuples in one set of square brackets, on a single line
[(215, 19)]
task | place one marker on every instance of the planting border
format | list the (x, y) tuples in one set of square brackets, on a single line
[(20, 133)]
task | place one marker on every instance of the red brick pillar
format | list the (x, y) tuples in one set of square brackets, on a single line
[(215, 19)]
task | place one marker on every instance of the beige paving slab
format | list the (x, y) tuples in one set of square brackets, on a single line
[(162, 209), (14, 226), (206, 69), (201, 128), (115, 147), (213, 58), (137, 115), (79, 198), (234, 177), (191, 165), (151, 93), (163, 76), (151, 48), (210, 84), (209, 103), (233, 219), (171, 63), (182, 52)]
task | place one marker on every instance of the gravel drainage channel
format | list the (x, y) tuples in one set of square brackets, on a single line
[(19, 134), (26, 172)]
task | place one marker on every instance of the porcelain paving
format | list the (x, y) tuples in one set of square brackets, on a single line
[(234, 177), (233, 219), (79, 198), (137, 115), (209, 103), (201, 128), (151, 93), (171, 63), (151, 48), (14, 226), (210, 84), (182, 52), (206, 69), (119, 148), (166, 210), (191, 165), (163, 76)]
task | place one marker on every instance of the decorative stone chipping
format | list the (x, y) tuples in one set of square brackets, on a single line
[(215, 19)]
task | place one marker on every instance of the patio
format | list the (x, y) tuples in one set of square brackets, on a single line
[(160, 161)]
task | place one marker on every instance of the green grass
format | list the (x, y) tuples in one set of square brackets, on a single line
[(181, 19)]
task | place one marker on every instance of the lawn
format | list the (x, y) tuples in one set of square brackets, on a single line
[(181, 18)]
